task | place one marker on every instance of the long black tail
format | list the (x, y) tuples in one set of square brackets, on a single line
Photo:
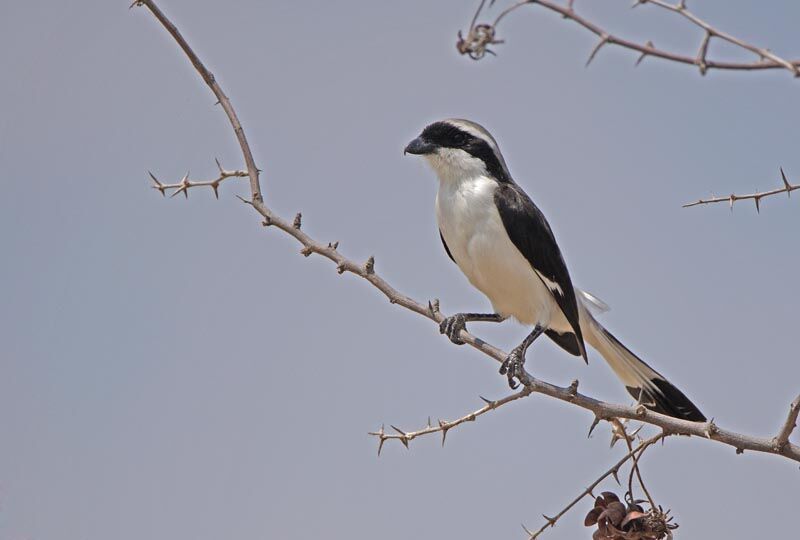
[(645, 384)]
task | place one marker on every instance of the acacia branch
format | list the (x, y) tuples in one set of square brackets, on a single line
[(589, 491), (755, 197), (222, 99), (444, 426), (480, 36), (366, 271), (185, 184)]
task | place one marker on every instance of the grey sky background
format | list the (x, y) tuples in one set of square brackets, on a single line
[(170, 369)]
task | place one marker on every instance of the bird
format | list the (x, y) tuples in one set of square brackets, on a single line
[(506, 248)]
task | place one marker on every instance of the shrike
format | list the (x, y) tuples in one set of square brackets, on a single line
[(502, 242)]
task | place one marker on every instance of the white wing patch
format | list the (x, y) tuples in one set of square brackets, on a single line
[(552, 285)]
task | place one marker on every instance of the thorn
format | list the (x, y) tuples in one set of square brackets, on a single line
[(267, 222), (649, 45), (524, 528), (550, 521), (490, 403), (136, 3), (615, 474), (730, 200), (445, 428), (595, 423), (403, 436), (739, 451), (340, 268), (785, 183), (158, 185), (184, 186), (221, 170), (757, 201), (381, 436), (298, 220), (429, 421), (215, 185), (369, 267), (333, 245), (603, 40)]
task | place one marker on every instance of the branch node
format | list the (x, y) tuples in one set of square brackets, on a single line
[(573, 388), (306, 251), (648, 45), (711, 429)]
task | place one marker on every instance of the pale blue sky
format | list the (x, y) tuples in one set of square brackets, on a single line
[(172, 370)]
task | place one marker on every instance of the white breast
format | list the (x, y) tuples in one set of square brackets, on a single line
[(475, 235)]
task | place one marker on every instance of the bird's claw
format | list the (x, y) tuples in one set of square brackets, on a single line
[(452, 327), (513, 367)]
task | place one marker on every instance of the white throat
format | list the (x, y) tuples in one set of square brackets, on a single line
[(455, 166)]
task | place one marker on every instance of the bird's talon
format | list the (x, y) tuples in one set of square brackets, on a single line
[(452, 327), (512, 367)]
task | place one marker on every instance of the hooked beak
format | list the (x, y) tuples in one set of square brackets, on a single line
[(419, 146)]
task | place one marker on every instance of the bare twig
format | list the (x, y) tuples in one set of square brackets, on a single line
[(444, 426), (222, 99), (600, 409), (482, 35), (185, 184), (589, 491), (756, 197), (763, 54), (782, 439), (622, 433)]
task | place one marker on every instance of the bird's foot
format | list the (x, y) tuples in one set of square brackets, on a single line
[(452, 326), (513, 367)]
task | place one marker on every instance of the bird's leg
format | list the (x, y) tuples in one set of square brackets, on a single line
[(514, 364), (453, 325)]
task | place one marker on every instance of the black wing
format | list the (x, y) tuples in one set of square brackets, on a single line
[(447, 249), (531, 234)]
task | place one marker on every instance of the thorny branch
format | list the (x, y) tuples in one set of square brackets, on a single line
[(480, 36), (756, 197), (444, 426), (589, 491), (366, 271), (185, 184)]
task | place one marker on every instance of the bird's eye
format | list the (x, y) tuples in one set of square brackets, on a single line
[(459, 137)]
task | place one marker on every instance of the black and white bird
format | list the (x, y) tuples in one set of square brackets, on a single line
[(503, 244)]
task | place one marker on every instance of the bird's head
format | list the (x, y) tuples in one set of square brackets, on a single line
[(458, 148)]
